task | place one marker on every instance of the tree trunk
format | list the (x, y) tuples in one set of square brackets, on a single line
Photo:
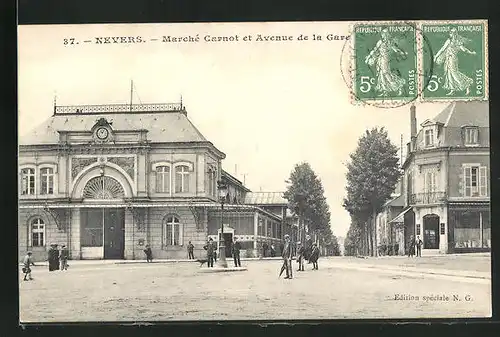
[(375, 244)]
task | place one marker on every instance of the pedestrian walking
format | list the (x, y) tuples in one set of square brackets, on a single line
[(300, 256), (236, 247), (149, 254), (419, 244), (53, 257), (411, 246), (273, 250), (63, 257), (287, 257), (27, 262), (314, 256), (190, 249), (209, 247)]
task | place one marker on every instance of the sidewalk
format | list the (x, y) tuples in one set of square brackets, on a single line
[(143, 261), (414, 270)]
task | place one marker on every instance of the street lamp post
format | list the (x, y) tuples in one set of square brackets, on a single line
[(222, 263)]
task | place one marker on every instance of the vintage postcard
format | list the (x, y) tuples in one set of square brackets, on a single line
[(254, 171)]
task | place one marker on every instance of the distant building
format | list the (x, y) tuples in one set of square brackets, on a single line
[(445, 185), (106, 180)]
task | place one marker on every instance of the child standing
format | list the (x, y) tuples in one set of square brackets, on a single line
[(63, 257), (27, 262)]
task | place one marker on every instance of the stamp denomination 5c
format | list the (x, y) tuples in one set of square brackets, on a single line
[(385, 62), (454, 60)]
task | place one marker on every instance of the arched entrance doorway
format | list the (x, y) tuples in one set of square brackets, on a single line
[(431, 231), (103, 228)]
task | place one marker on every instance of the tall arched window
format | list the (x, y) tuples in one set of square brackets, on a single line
[(163, 179), (37, 232), (181, 179), (172, 231), (28, 181), (47, 180)]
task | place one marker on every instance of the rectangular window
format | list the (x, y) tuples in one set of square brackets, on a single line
[(163, 179), (47, 181), (430, 182), (181, 179), (28, 181), (269, 228), (429, 137), (475, 181), (260, 230), (467, 229), (418, 229), (442, 231), (471, 136)]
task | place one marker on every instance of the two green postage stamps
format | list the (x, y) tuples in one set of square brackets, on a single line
[(430, 61)]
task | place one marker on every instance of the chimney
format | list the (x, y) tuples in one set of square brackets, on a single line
[(413, 126)]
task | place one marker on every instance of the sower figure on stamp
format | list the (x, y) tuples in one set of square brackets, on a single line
[(236, 247), (27, 262), (63, 257), (411, 246), (209, 247), (315, 256), (380, 57), (287, 257), (190, 249), (419, 244), (300, 256), (454, 79)]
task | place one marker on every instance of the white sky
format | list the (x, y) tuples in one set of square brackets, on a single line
[(267, 105)]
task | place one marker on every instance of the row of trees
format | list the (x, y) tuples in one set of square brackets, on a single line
[(305, 195), (372, 174)]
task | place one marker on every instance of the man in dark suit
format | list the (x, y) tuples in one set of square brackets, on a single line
[(287, 257), (210, 248), (236, 247), (314, 256)]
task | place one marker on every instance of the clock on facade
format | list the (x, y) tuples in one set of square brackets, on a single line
[(102, 133)]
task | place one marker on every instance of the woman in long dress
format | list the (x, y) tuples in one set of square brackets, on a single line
[(454, 79), (380, 56)]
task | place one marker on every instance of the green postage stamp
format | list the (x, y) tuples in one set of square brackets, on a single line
[(454, 60), (384, 62)]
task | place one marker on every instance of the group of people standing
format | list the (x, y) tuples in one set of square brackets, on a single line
[(58, 260), (415, 245), (309, 253), (211, 248)]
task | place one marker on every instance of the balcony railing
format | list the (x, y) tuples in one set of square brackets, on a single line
[(117, 108), (427, 198)]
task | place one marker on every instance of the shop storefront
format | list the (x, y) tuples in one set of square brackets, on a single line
[(470, 227)]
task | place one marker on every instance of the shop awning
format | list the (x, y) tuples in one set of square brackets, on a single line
[(400, 218)]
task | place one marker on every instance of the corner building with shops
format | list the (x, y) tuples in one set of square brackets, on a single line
[(107, 180), (444, 193)]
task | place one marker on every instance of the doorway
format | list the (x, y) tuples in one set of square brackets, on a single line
[(103, 233), (228, 242), (431, 231)]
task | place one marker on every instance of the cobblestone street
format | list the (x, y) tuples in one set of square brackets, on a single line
[(341, 288)]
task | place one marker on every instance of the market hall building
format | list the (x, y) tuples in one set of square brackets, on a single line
[(105, 180)]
